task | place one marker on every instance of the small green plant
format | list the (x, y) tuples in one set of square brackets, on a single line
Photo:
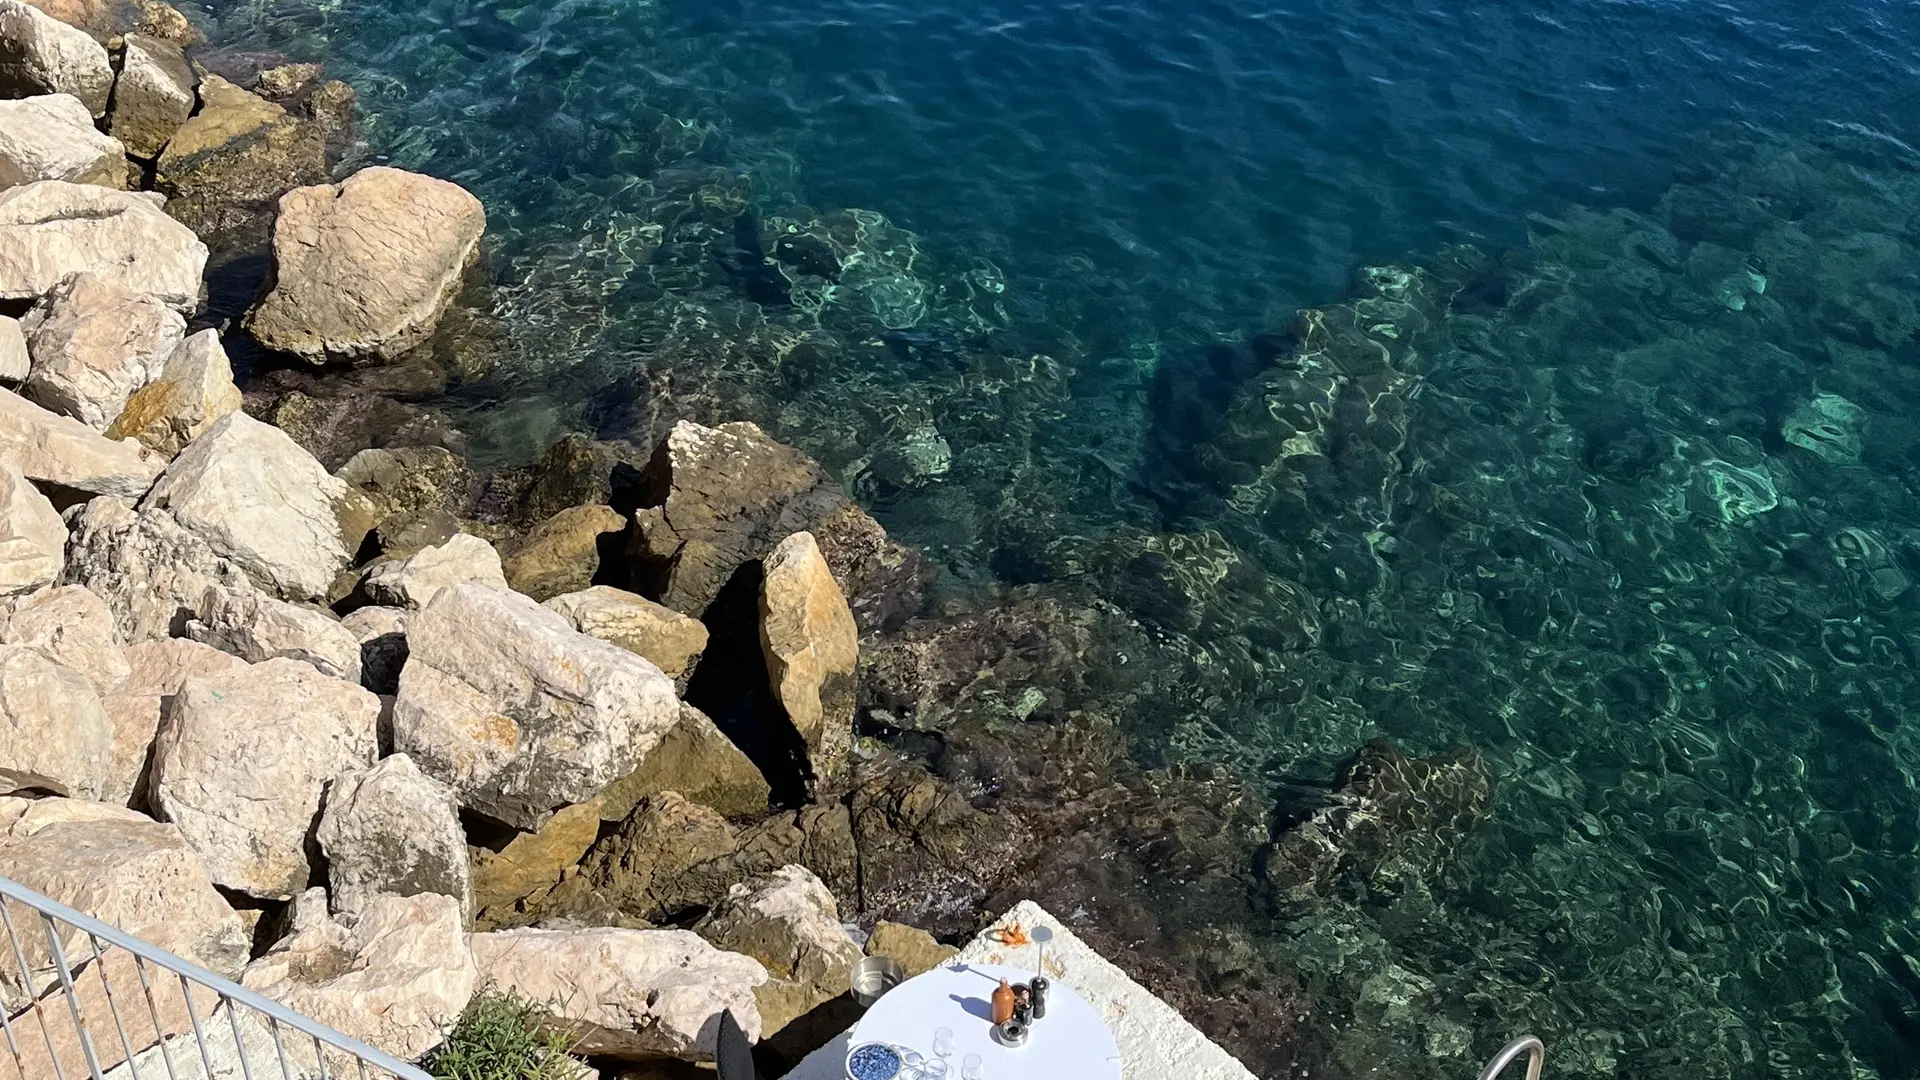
[(501, 1036)]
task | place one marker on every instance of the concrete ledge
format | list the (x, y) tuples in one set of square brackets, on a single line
[(1156, 1043)]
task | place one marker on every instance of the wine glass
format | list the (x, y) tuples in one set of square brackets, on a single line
[(970, 1067), (934, 1069), (943, 1042)]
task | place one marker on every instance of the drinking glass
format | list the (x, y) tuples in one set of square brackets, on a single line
[(934, 1069), (970, 1067), (913, 1064), (943, 1042)]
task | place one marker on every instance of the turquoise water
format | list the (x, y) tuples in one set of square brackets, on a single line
[(1593, 449)]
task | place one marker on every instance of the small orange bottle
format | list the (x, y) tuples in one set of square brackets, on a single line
[(1003, 1003)]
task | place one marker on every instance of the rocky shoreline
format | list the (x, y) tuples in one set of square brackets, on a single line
[(340, 716)]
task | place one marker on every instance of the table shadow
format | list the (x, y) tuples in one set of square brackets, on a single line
[(979, 1007)]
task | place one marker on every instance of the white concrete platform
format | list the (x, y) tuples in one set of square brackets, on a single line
[(1156, 1043)]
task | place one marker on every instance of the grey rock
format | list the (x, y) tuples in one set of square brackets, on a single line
[(393, 830)]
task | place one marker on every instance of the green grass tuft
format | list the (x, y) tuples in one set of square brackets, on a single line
[(500, 1037)]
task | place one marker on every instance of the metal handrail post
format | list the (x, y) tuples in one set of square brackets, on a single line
[(1535, 1050)]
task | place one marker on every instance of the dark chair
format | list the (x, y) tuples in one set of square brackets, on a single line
[(732, 1052)]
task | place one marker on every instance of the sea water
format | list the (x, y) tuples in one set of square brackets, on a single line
[(1535, 377)]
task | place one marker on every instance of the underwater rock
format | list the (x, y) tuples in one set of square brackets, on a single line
[(1387, 820), (413, 235), (1829, 426), (223, 169)]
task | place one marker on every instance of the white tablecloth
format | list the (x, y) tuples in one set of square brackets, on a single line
[(1070, 1043)]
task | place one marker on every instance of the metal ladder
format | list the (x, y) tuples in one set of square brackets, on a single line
[(1535, 1050)]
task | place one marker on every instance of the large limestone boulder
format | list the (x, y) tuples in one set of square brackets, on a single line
[(626, 993), (562, 553), (54, 736), (393, 830), (365, 268), (93, 344), (153, 97), (789, 922), (52, 229), (521, 713), (912, 948), (106, 20), (193, 389), (151, 572), (532, 860), (39, 54), (812, 649), (700, 762), (55, 449), (73, 627), (671, 640), (260, 500), (268, 737), (256, 627), (125, 869), (156, 670), (396, 977), (224, 167), (33, 540), (52, 137), (413, 582)]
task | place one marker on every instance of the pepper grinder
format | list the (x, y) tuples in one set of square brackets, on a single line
[(1037, 996)]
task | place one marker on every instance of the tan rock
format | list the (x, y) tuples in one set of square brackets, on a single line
[(364, 269), (260, 500), (127, 870), (42, 55), (914, 949), (193, 389), (153, 97), (105, 20), (73, 627), (562, 553), (55, 449), (52, 229), (54, 736), (414, 581), (518, 711), (533, 861), (396, 978), (14, 363), (268, 737), (52, 137), (626, 993), (812, 649), (700, 762), (93, 343), (224, 167), (789, 922), (671, 640), (156, 671), (665, 859), (33, 540)]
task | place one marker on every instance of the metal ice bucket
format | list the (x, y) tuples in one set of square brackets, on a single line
[(874, 976)]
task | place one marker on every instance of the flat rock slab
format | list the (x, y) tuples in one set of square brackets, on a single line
[(52, 229), (55, 449), (365, 268), (1156, 1042)]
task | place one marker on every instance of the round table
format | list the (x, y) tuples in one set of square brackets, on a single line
[(1070, 1043)]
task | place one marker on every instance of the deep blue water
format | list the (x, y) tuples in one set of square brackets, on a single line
[(1594, 449)]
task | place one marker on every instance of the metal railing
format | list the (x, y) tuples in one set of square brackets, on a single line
[(1535, 1050), (82, 999)]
